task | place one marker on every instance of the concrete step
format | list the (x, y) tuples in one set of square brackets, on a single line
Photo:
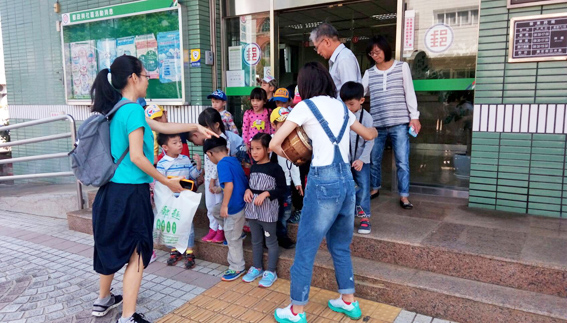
[(541, 277), (433, 294), (52, 200), (383, 246), (421, 290)]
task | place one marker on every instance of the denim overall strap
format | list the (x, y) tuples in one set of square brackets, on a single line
[(337, 158)]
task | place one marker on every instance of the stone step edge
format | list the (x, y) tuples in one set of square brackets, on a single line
[(375, 275), (539, 278)]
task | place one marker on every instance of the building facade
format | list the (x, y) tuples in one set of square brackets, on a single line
[(493, 131)]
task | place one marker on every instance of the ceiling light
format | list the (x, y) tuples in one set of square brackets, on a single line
[(385, 16)]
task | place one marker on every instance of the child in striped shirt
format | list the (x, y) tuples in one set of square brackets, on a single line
[(267, 186), (175, 164)]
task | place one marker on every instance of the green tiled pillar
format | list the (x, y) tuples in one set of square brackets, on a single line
[(546, 175), (513, 172), (484, 163)]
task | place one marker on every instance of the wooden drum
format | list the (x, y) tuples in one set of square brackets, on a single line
[(296, 147)]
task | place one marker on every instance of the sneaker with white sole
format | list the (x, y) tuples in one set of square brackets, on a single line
[(284, 315), (252, 274), (364, 227), (351, 310), (103, 309), (268, 279)]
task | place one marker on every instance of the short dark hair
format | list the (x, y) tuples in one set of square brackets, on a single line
[(163, 138), (259, 93), (314, 80), (352, 90), (214, 144), (382, 43), (263, 138)]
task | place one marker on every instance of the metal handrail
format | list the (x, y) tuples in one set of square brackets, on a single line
[(72, 134)]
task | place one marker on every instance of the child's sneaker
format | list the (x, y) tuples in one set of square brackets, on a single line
[(252, 274), (174, 257), (219, 237), (360, 212), (284, 315), (231, 275), (364, 227), (100, 309), (351, 310), (268, 279), (154, 256), (210, 236), (189, 261)]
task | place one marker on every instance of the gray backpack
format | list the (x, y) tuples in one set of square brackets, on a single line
[(91, 159)]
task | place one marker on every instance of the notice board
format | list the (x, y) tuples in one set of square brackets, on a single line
[(538, 38), (149, 30)]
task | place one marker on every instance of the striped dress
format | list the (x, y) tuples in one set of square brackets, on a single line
[(388, 105), (266, 177)]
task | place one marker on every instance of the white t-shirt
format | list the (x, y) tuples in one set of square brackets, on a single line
[(333, 111)]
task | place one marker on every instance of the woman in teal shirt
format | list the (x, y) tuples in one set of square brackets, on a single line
[(122, 211)]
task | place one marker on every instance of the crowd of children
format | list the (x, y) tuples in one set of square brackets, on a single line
[(261, 196)]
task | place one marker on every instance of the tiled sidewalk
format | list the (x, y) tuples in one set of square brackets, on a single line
[(46, 276), (241, 302)]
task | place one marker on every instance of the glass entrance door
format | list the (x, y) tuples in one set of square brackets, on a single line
[(442, 53), (356, 22)]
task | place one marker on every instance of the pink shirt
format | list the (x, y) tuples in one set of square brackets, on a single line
[(253, 123)]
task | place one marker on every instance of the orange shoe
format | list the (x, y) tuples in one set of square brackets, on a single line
[(210, 236), (219, 237)]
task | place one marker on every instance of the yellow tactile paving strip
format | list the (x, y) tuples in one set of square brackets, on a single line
[(229, 302)]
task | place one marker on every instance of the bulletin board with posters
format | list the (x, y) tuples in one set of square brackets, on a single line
[(149, 30)]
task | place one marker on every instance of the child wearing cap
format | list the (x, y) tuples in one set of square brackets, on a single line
[(231, 215), (156, 112), (218, 102), (281, 98), (291, 173), (269, 84)]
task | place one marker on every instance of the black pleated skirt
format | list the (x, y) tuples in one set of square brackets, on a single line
[(122, 223)]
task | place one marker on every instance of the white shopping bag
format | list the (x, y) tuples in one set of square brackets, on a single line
[(174, 216)]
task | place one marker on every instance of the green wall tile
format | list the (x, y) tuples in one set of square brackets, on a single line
[(482, 206), (514, 197), (543, 192), (510, 209), (516, 204), (516, 183)]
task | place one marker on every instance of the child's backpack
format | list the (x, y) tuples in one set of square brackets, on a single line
[(91, 159)]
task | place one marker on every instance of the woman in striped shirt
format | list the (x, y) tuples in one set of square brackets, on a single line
[(393, 106)]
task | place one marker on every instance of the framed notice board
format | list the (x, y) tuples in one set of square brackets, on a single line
[(538, 38), (149, 30), (530, 3)]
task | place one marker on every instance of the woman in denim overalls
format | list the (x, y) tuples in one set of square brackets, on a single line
[(329, 202)]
